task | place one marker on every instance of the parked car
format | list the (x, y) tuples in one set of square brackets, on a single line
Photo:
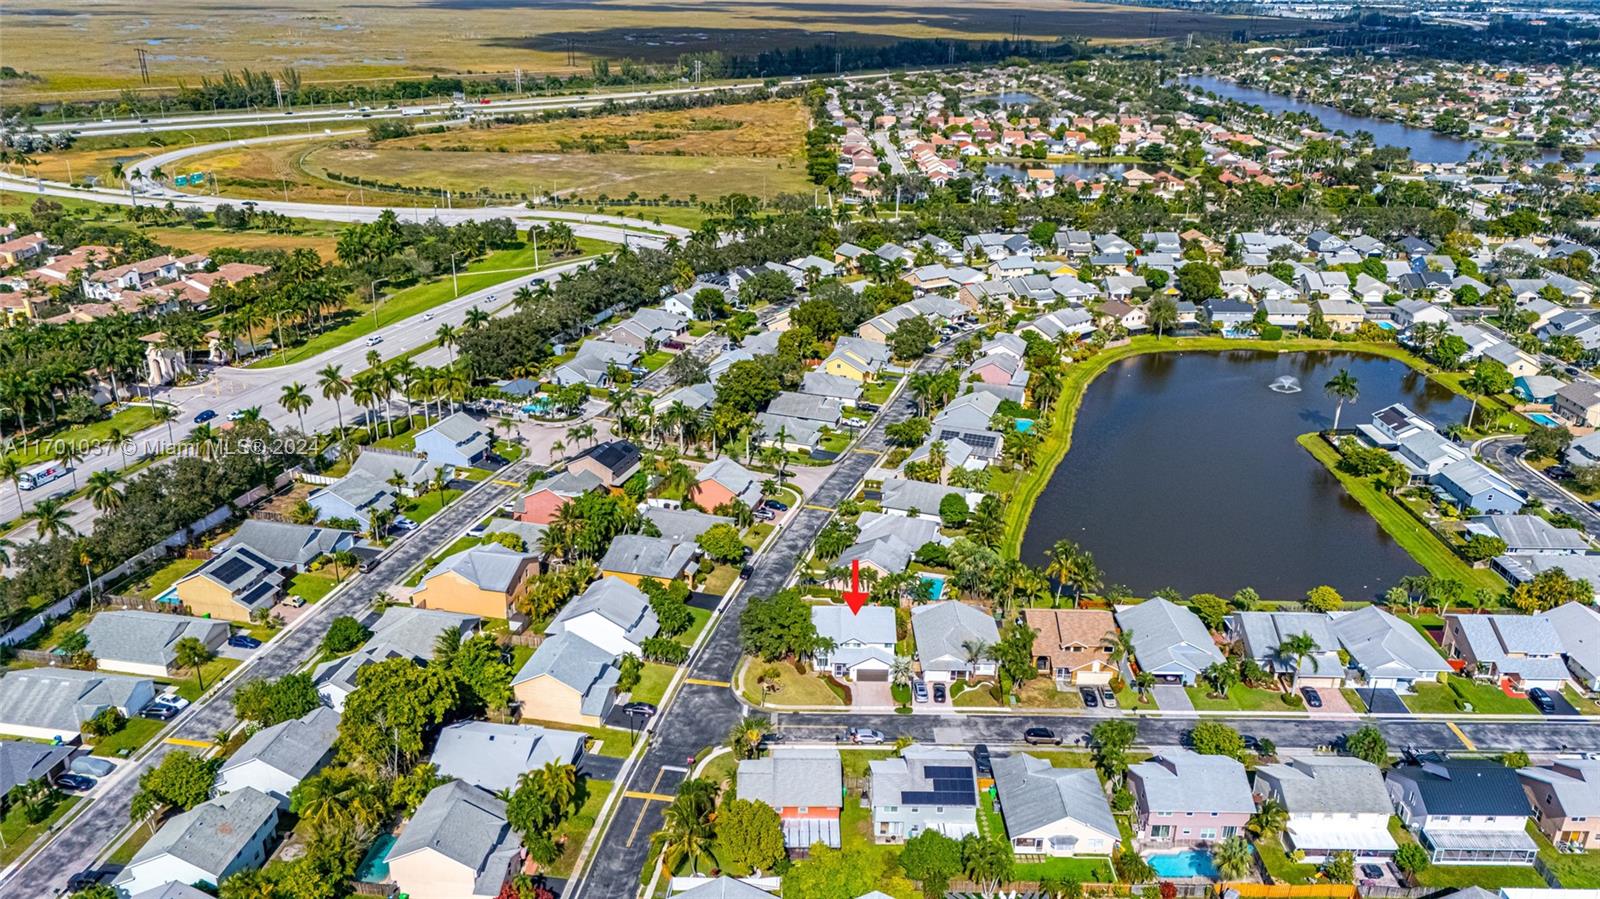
[(244, 641), (1108, 698), (938, 692), (86, 879), (295, 602), (404, 524), (1090, 700), (1251, 742), (866, 735), (157, 711), (765, 514), (775, 505), (982, 759), (919, 691), (639, 709), (91, 766), (1312, 697), (75, 783), (204, 416), (1035, 736), (1543, 700), (746, 571), (1372, 872)]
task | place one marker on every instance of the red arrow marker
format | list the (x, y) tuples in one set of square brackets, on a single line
[(855, 597)]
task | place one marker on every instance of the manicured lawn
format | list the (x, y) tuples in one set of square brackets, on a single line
[(1240, 698), (653, 683), (757, 534), (19, 834), (210, 672), (607, 741), (1490, 877), (1354, 699), (428, 505), (720, 579), (877, 392), (1485, 698), (653, 361), (131, 846), (1411, 534), (134, 735), (701, 617), (577, 827), (1575, 870), (855, 832), (793, 688), (1581, 703), (1082, 870), (165, 576), (1280, 866), (311, 587), (129, 420), (976, 697), (1041, 693)]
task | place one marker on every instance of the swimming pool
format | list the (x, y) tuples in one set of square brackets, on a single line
[(537, 406), (169, 596), (374, 867), (1539, 418), (1024, 425), (936, 585), (1189, 863)]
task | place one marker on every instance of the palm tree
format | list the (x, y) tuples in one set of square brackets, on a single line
[(334, 387), (103, 492), (193, 653), (50, 517), (476, 319), (1233, 857), (1476, 384), (10, 470), (1344, 388), (167, 414), (1298, 647), (1269, 820), (1060, 556), (448, 335), (746, 736), (975, 651), (686, 833), (294, 398), (69, 455)]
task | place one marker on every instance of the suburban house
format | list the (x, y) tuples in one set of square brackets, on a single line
[(722, 482), (926, 788), (1335, 803), (1169, 641), (1579, 627), (858, 646), (492, 756), (1073, 646), (807, 407), (1566, 801), (403, 632), (886, 543), (139, 642), (353, 497), (1389, 653), (611, 613), (1472, 485), (232, 585), (634, 557), (484, 580), (725, 887), (649, 328), (567, 680), (22, 761), (947, 632), (1187, 799), (275, 759), (818, 383), (1579, 403), (291, 546), (613, 462), (1265, 635), (805, 786), (593, 364), (855, 358), (410, 474), (683, 525), (205, 844), (1522, 649), (53, 703), (1055, 812), (1529, 534), (1464, 811), (457, 846), (902, 496), (459, 441), (548, 496), (1411, 312)]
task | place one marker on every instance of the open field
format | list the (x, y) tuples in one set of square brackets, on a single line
[(74, 52)]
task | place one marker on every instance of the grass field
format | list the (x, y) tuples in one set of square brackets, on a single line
[(129, 420), (1485, 698), (18, 834)]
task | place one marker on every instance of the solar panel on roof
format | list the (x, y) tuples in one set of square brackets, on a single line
[(230, 570), (957, 772), (934, 797)]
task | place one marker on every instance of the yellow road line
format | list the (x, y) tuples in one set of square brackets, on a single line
[(1461, 736), (817, 507), (706, 683), (509, 483), (640, 820), (867, 452), (652, 797), (198, 744)]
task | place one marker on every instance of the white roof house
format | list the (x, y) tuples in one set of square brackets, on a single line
[(51, 703), (1169, 641), (1053, 811), (860, 645)]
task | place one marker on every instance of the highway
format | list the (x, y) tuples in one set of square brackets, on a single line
[(77, 845)]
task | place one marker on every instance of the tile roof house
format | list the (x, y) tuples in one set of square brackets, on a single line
[(458, 440), (492, 756), (484, 580), (458, 845), (1524, 649), (1464, 811), (944, 632), (860, 645), (723, 481), (205, 844), (293, 546), (51, 703), (1265, 633), (634, 557), (1336, 804), (926, 788), (140, 642), (1169, 641), (1566, 801), (1388, 652), (232, 585), (1073, 646), (567, 680), (275, 759), (805, 786), (1056, 812), (611, 613), (1186, 799), (613, 462)]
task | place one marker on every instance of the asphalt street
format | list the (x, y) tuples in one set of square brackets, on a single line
[(1504, 454), (81, 842)]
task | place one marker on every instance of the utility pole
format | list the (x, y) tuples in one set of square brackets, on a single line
[(519, 80), (144, 65)]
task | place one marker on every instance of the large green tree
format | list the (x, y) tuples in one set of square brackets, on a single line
[(749, 835)]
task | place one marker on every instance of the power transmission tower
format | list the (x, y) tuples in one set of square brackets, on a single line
[(1016, 28), (519, 80), (144, 65)]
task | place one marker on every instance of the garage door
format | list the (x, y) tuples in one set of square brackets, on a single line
[(872, 674)]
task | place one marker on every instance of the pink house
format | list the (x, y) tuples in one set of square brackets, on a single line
[(1187, 799)]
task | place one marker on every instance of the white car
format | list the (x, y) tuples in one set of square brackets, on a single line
[(374, 340)]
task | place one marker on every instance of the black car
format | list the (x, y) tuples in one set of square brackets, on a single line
[(1251, 743), (75, 783), (639, 709), (85, 879), (938, 692), (1539, 697), (1091, 700), (981, 758), (776, 506), (159, 712), (1313, 698), (1372, 872), (746, 571), (205, 416), (244, 641), (1035, 736)]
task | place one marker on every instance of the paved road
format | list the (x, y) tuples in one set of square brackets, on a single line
[(1504, 454), (88, 836), (891, 154)]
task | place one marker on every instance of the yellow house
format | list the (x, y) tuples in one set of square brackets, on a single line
[(232, 585), (484, 580), (846, 366), (458, 845), (567, 680)]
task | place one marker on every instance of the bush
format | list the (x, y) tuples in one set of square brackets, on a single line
[(840, 690), (1272, 332), (106, 722), (901, 693), (664, 650), (344, 635), (1411, 858)]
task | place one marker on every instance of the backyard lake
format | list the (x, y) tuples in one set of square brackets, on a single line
[(1184, 472)]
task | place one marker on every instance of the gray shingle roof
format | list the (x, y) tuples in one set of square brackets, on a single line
[(211, 835), (615, 600), (296, 747), (1264, 632), (794, 777), (574, 661), (738, 480), (724, 887), (1331, 785), (656, 557), (684, 525), (1184, 781), (491, 566), (148, 637), (1034, 794), (466, 825), (942, 627), (1466, 787), (413, 632), (63, 698), (172, 890), (469, 437), (285, 543), (493, 756), (1168, 638), (1384, 646), (21, 762), (1576, 783)]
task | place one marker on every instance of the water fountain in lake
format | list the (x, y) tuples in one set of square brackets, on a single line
[(1285, 384)]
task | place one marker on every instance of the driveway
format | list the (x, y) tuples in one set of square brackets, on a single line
[(599, 767), (1333, 702), (1383, 702), (871, 694), (1171, 698), (1563, 707)]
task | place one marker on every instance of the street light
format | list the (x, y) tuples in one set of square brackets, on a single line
[(375, 301), (455, 285)]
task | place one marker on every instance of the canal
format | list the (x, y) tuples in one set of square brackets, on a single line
[(1184, 472)]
